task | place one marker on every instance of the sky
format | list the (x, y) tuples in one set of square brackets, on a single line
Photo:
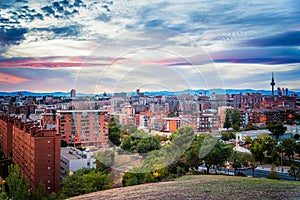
[(113, 46)]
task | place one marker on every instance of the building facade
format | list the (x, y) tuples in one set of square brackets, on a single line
[(83, 127), (72, 159), (35, 150), (6, 125)]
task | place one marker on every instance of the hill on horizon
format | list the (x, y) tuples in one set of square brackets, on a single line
[(204, 187), (151, 93)]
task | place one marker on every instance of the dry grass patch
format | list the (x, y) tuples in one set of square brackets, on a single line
[(205, 187)]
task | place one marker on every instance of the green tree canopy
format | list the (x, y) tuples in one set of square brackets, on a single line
[(140, 142), (228, 136), (276, 129), (237, 160), (297, 148), (251, 162), (232, 119), (288, 147), (18, 186), (159, 163), (294, 171), (129, 128), (257, 149), (217, 155), (84, 181), (262, 145), (247, 139), (249, 127), (114, 132), (104, 159)]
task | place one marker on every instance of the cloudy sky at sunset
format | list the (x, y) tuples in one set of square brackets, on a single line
[(96, 46)]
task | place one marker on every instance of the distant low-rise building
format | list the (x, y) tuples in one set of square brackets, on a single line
[(72, 159), (240, 136)]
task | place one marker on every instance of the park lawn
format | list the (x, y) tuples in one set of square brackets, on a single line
[(205, 187)]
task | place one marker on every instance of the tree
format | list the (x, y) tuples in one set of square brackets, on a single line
[(3, 196), (140, 142), (276, 129), (38, 193), (248, 140), (114, 132), (104, 159), (236, 119), (216, 156), (18, 186), (95, 181), (251, 162), (297, 148), (273, 175), (63, 143), (228, 136), (261, 145), (232, 119), (130, 179), (159, 164), (294, 171), (227, 123), (237, 160), (249, 127), (257, 149), (191, 157), (71, 185), (288, 147), (129, 128), (84, 181)]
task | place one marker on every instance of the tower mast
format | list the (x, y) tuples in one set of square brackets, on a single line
[(272, 84)]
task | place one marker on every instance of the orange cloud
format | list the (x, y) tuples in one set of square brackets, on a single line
[(10, 79)]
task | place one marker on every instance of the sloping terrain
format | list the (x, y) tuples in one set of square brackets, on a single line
[(204, 187)]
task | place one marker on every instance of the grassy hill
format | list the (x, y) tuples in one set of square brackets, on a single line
[(204, 187)]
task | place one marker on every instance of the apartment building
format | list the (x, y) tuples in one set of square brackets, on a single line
[(6, 125), (35, 150), (83, 127)]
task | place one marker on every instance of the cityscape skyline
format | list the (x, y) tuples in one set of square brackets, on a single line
[(279, 91), (115, 46), (97, 95)]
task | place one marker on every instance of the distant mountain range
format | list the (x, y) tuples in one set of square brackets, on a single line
[(28, 93), (152, 93)]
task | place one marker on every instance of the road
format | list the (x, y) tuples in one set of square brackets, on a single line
[(259, 172)]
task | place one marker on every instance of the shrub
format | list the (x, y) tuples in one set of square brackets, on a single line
[(273, 175)]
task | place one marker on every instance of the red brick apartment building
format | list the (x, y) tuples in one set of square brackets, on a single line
[(35, 150), (84, 127), (6, 136)]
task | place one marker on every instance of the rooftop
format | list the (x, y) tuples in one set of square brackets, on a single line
[(80, 111)]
